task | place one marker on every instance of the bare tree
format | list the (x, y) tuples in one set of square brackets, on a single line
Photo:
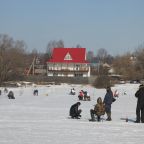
[(139, 62), (5, 43), (60, 44), (123, 66), (78, 46), (11, 57), (51, 45), (90, 56), (102, 54)]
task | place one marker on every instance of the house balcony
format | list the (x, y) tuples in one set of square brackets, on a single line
[(68, 70)]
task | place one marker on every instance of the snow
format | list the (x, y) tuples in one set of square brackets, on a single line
[(44, 119)]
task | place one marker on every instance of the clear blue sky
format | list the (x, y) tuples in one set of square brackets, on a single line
[(116, 25)]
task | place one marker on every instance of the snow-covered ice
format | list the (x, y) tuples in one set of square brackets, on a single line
[(43, 119)]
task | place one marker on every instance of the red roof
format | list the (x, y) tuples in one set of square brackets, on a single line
[(69, 55)]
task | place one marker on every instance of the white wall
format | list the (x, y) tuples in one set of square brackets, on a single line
[(69, 66)]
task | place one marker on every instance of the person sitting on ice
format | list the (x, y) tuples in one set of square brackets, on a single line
[(98, 110), (86, 96), (72, 91), (125, 93), (11, 95), (81, 95), (35, 93), (116, 93), (5, 90), (75, 111)]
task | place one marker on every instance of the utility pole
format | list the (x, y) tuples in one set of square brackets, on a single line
[(31, 67)]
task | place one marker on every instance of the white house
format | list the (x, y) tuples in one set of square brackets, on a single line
[(68, 62)]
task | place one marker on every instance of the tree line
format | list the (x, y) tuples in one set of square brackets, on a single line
[(14, 58)]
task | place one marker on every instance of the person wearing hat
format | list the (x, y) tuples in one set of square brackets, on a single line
[(75, 111), (11, 95), (140, 104), (98, 110)]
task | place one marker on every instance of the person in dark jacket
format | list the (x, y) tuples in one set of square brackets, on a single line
[(74, 111), (140, 104), (108, 99), (35, 92), (11, 95)]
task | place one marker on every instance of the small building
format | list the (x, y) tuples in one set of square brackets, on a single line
[(68, 62), (36, 68)]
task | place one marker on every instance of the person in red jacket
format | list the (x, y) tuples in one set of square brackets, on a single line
[(81, 95)]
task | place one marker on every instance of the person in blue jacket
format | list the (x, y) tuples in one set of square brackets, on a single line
[(108, 100)]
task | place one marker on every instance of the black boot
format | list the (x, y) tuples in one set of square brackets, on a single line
[(108, 117), (137, 121), (98, 118), (92, 115)]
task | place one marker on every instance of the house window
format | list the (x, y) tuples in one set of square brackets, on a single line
[(68, 57), (78, 75), (55, 74), (77, 67)]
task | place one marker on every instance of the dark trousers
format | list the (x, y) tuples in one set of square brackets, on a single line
[(139, 114), (80, 97), (108, 112), (92, 113), (142, 115), (76, 115)]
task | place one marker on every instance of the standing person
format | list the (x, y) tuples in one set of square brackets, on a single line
[(74, 111), (108, 99), (140, 104)]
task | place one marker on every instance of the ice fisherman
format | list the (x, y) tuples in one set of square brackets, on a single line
[(140, 104), (108, 100), (75, 111), (98, 110)]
